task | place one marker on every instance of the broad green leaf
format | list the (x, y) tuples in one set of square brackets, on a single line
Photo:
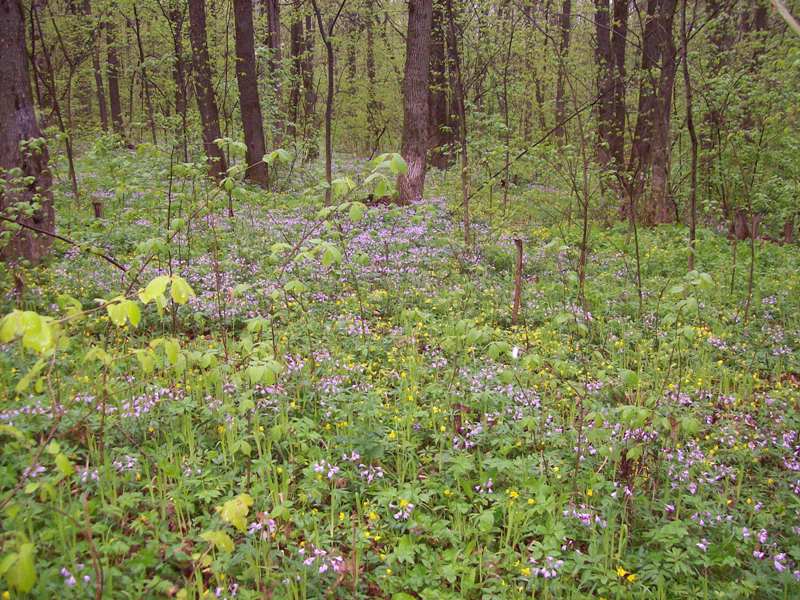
[(180, 290), (64, 465), (219, 539), (234, 511), (154, 289), (21, 574), (398, 165)]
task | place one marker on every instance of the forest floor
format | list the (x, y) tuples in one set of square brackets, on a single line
[(344, 409)]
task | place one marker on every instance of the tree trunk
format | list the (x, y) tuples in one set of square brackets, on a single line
[(458, 98), (249, 103), (662, 207), (98, 73), (619, 38), (296, 51), (605, 79), (273, 42), (564, 21), (143, 71), (415, 100), (687, 87), (439, 137), (373, 107), (113, 80), (176, 17), (641, 159), (204, 90), (18, 124), (309, 93)]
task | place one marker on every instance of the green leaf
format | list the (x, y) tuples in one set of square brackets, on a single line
[(117, 313), (331, 255), (234, 511), (398, 165), (486, 521), (356, 212), (21, 573), (172, 349), (133, 312), (154, 289), (219, 539), (180, 290), (64, 465)]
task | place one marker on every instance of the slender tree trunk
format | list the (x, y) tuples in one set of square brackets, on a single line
[(143, 71), (18, 124), (296, 52), (273, 42), (687, 87), (204, 90), (662, 207), (98, 73), (438, 137), (327, 33), (605, 79), (619, 38), (51, 83), (415, 100), (564, 25), (249, 103), (309, 93), (640, 161), (176, 18), (458, 98), (112, 61), (373, 107)]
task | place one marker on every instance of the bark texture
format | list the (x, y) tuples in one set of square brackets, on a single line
[(206, 103), (18, 124), (249, 103), (415, 100)]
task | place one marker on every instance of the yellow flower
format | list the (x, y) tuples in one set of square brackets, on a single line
[(388, 572), (631, 577), (513, 494), (526, 571), (621, 572), (531, 501), (589, 492), (6, 595)]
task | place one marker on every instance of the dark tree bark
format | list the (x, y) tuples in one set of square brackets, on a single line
[(687, 87), (439, 136), (143, 73), (18, 124), (619, 39), (460, 107), (373, 107), (605, 66), (273, 42), (98, 73), (327, 33), (296, 48), (204, 90), (415, 100), (249, 103), (650, 150), (662, 207), (309, 93), (113, 79), (176, 17), (565, 24)]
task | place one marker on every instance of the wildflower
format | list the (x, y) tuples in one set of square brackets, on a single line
[(406, 508), (703, 544), (550, 568), (778, 562), (762, 536)]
